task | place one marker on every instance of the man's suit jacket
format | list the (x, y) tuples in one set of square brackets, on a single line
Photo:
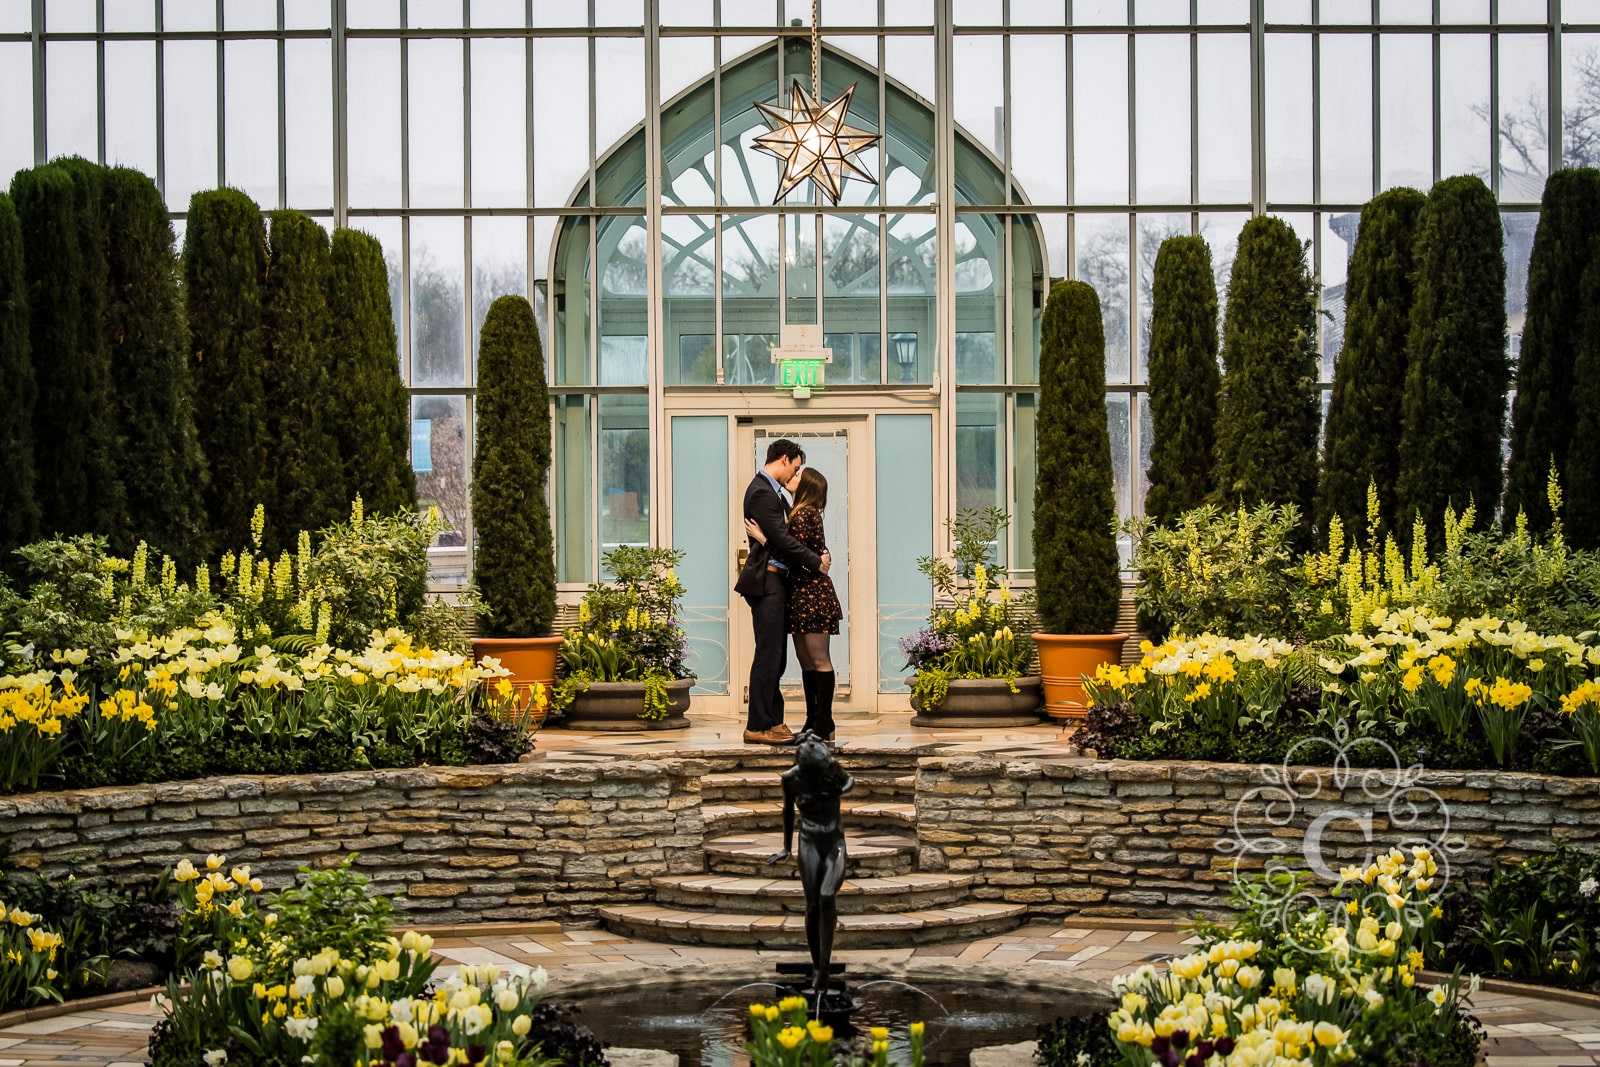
[(762, 503)]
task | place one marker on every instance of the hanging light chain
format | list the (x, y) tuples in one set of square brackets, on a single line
[(816, 50)]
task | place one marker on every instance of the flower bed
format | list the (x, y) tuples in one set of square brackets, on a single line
[(321, 660), (1477, 692)]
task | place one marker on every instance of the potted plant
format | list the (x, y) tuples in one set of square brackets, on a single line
[(623, 664), (513, 570), (971, 663), (1077, 584)]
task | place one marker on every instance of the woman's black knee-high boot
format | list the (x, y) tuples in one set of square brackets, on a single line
[(808, 682), (824, 702)]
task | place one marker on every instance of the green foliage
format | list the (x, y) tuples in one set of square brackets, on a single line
[(1075, 548), (373, 426), (159, 452), (1583, 457), (1535, 922), (64, 243), (1077, 1041), (306, 489), (1227, 573), (1362, 442), (1542, 417), (1184, 380), (373, 572), (225, 270), (1270, 411), (19, 511), (514, 565), (1454, 404)]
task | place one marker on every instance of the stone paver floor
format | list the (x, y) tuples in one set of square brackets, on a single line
[(1522, 1032)]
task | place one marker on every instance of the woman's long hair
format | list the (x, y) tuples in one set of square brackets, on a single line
[(812, 491)]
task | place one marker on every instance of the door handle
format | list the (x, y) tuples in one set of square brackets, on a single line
[(744, 554)]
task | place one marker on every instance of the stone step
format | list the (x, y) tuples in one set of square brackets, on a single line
[(870, 853), (747, 816), (763, 784), (878, 894), (924, 926)]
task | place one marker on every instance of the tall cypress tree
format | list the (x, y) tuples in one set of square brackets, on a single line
[(373, 427), (19, 513), (64, 253), (1454, 405), (514, 565), (302, 453), (1184, 378), (1581, 512), (1362, 441), (1542, 416), (225, 267), (1267, 429), (157, 447), (1075, 551)]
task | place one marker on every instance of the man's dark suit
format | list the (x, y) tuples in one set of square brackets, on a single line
[(767, 593)]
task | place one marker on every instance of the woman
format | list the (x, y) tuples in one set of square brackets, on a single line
[(814, 611)]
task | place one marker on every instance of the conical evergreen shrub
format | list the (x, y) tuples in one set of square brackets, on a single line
[(514, 563), (1542, 415), (19, 513), (225, 268), (373, 429), (157, 447), (1074, 506), (1269, 415), (1454, 405), (1581, 486), (1362, 439), (1184, 378), (64, 255), (303, 461)]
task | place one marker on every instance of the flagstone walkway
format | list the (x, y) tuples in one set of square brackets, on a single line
[(1522, 1031)]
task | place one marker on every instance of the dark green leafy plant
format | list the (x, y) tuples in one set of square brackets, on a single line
[(160, 461), (1362, 440), (1075, 549), (1542, 416), (373, 429), (225, 271), (1454, 406), (61, 208), (1269, 414), (1583, 457), (305, 485), (514, 566), (1537, 921), (1184, 380), (19, 510), (1079, 1041)]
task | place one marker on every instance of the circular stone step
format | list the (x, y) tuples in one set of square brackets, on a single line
[(925, 926), (878, 894), (754, 816), (870, 852)]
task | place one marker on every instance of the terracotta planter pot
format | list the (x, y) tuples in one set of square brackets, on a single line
[(1064, 659), (616, 706), (529, 659), (982, 703)]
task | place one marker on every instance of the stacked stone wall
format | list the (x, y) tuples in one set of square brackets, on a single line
[(1159, 839)]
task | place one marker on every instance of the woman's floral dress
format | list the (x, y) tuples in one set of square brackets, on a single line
[(813, 605)]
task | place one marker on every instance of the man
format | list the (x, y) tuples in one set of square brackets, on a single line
[(764, 584)]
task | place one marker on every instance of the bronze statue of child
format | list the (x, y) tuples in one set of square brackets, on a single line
[(814, 785)]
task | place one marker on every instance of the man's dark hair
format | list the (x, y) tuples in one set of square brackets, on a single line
[(783, 448)]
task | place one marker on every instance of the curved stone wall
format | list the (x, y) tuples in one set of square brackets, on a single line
[(549, 840)]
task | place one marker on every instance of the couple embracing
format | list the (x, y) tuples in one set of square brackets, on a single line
[(785, 581)]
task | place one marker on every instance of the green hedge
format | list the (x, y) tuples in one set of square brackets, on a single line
[(1074, 507), (1184, 379), (19, 512)]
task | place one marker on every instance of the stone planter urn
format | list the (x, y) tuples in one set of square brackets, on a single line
[(616, 706), (982, 703)]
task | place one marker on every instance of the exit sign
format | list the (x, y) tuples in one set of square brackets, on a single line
[(800, 357), (800, 374)]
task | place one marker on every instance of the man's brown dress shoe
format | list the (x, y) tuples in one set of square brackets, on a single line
[(777, 735)]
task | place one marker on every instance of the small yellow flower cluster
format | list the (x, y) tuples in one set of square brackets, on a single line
[(40, 701), (782, 1036)]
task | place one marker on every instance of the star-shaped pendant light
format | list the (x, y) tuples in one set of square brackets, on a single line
[(811, 138), (812, 141)]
